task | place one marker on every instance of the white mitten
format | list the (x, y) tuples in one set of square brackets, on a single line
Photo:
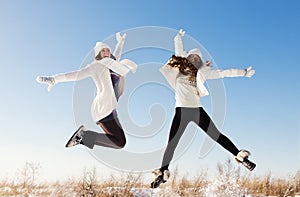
[(119, 37), (46, 80), (249, 72), (181, 32)]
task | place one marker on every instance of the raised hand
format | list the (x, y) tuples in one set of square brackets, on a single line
[(46, 80), (119, 37), (181, 32), (249, 72)]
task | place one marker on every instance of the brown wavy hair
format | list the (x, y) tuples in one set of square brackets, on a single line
[(185, 66)]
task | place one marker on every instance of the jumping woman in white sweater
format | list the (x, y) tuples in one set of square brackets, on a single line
[(186, 74), (108, 74)]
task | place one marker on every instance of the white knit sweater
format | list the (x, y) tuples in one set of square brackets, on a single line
[(187, 93)]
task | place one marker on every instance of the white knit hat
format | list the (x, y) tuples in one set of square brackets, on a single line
[(195, 51), (99, 46)]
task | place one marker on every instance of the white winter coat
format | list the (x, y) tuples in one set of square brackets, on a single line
[(106, 99)]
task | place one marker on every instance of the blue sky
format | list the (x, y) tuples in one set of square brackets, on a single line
[(44, 38)]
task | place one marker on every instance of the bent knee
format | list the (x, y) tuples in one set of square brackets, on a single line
[(120, 144)]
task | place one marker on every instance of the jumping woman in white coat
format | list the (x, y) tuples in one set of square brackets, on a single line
[(108, 74), (186, 74)]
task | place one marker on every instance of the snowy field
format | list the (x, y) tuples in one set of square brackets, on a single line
[(228, 182), (213, 190)]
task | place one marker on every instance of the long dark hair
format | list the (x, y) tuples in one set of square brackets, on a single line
[(184, 66)]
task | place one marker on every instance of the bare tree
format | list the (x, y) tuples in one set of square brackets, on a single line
[(29, 174), (88, 183)]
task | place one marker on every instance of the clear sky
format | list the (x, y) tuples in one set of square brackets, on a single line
[(49, 37)]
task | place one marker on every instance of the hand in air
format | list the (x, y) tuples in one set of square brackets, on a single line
[(181, 32), (119, 37), (249, 72), (46, 80)]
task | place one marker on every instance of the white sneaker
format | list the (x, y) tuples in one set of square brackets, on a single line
[(76, 137), (160, 177), (242, 155)]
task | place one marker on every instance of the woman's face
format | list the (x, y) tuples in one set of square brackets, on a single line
[(105, 52)]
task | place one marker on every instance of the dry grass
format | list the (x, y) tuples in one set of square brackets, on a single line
[(275, 186), (229, 181)]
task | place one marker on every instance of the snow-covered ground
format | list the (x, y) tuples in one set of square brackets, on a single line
[(137, 192)]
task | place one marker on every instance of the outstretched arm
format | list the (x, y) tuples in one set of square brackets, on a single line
[(119, 46), (217, 74), (64, 77)]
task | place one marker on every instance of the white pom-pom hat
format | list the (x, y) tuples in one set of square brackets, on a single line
[(99, 46), (195, 51)]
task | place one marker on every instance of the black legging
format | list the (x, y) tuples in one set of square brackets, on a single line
[(183, 116), (114, 136)]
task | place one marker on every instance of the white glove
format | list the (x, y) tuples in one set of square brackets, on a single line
[(46, 80), (119, 37), (181, 32), (249, 72)]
